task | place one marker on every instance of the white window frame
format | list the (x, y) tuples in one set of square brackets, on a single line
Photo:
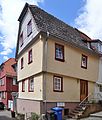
[(57, 83), (2, 82), (3, 95), (59, 52), (14, 81)]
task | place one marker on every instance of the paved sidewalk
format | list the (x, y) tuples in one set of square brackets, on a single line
[(95, 116), (98, 114)]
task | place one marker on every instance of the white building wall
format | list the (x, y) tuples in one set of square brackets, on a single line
[(98, 93)]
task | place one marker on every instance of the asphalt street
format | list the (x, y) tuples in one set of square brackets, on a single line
[(6, 115)]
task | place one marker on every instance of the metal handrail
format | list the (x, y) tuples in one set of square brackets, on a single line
[(85, 98), (89, 96)]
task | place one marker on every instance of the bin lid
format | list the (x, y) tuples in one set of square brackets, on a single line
[(57, 109), (50, 112)]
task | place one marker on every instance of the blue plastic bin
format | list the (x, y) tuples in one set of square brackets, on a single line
[(58, 112)]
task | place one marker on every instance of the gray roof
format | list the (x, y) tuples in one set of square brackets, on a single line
[(57, 28), (48, 23)]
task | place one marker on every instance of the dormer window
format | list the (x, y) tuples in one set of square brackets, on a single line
[(29, 28), (100, 47), (21, 39), (96, 45)]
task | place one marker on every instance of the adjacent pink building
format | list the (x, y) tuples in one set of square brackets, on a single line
[(8, 80)]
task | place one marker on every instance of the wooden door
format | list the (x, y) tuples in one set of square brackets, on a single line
[(83, 89)]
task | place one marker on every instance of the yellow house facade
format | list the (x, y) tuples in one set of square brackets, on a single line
[(56, 67)]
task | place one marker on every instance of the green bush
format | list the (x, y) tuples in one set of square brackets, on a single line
[(34, 116)]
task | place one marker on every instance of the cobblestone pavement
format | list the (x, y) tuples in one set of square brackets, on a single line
[(6, 115)]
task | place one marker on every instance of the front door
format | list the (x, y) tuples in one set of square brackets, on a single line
[(83, 89)]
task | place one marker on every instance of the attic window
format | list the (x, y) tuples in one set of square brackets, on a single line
[(21, 39), (29, 28)]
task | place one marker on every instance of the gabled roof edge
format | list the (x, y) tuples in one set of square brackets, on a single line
[(23, 12)]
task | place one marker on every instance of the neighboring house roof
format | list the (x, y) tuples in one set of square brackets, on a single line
[(7, 67), (47, 23)]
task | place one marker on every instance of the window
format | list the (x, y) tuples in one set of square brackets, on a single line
[(21, 39), (14, 81), (1, 82), (29, 28), (84, 62), (22, 63), (100, 88), (59, 52), (31, 84), (30, 56), (58, 84), (23, 86), (15, 67), (0, 95), (3, 95)]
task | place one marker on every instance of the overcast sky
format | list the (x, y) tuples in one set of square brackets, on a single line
[(86, 15)]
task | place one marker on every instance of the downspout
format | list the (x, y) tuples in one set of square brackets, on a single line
[(45, 69)]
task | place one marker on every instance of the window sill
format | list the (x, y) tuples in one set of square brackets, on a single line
[(58, 90), (21, 45), (30, 62), (31, 91), (29, 34), (84, 67), (22, 67), (61, 60)]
